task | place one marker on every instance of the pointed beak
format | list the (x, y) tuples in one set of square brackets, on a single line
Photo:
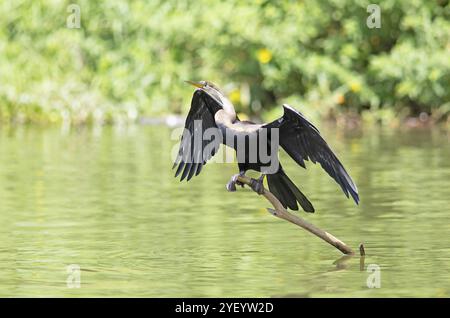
[(196, 84)]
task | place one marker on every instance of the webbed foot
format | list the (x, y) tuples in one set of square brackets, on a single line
[(257, 185), (231, 185)]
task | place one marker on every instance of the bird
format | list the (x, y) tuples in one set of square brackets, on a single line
[(212, 114)]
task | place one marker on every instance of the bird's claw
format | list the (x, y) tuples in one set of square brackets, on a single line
[(231, 185), (257, 186)]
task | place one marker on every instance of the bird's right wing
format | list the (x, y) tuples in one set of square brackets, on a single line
[(302, 141), (194, 149)]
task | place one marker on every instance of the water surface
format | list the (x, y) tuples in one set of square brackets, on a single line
[(105, 199)]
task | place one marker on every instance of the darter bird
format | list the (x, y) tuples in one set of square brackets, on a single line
[(212, 121)]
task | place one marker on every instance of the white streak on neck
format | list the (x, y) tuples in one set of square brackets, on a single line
[(228, 108)]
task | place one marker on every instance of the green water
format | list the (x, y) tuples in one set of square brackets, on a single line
[(105, 199)]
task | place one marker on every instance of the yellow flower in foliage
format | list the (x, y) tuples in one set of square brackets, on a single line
[(355, 87), (264, 56), (340, 99), (235, 96)]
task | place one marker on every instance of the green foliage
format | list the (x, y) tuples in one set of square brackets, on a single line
[(130, 58)]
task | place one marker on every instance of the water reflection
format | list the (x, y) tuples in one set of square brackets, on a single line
[(106, 199)]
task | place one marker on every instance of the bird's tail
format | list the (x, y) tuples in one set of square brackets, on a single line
[(287, 192)]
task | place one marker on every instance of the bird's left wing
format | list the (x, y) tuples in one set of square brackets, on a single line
[(302, 141), (194, 149)]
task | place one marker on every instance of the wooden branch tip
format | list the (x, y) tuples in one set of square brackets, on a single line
[(362, 251), (280, 212)]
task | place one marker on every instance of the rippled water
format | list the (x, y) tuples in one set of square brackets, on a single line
[(105, 199)]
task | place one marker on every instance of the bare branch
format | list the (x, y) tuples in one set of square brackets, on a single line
[(280, 212)]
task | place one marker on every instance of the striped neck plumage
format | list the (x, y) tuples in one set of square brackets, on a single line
[(228, 107)]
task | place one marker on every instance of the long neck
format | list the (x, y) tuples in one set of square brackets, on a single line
[(228, 108)]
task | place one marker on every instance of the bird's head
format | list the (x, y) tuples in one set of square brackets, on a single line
[(211, 89)]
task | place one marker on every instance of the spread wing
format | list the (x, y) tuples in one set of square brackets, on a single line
[(195, 150), (302, 141)]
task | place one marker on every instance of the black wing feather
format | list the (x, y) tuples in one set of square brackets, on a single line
[(302, 141), (190, 155)]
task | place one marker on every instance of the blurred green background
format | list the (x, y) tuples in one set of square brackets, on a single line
[(128, 59)]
